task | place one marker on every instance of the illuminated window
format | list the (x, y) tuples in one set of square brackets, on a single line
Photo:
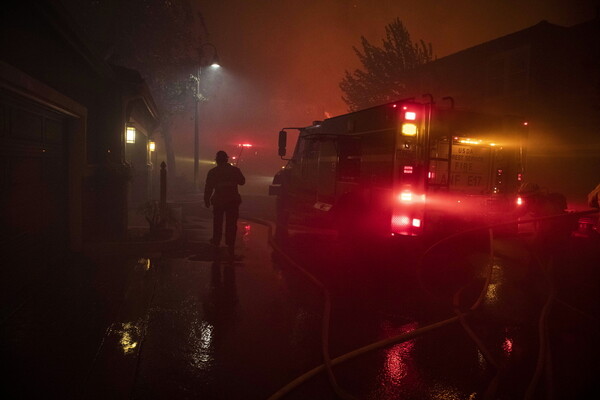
[(130, 135)]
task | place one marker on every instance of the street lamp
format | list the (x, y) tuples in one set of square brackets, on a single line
[(213, 62)]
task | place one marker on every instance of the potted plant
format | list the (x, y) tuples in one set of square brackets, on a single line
[(158, 218)]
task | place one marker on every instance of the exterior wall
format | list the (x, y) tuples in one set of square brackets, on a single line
[(42, 47), (25, 87)]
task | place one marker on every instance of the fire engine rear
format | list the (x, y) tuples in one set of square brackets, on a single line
[(401, 169)]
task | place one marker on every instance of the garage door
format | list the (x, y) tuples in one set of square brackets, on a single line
[(33, 166)]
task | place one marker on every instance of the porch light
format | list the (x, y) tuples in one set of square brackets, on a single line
[(130, 135)]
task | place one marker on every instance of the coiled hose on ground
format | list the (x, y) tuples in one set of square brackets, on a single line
[(460, 316)]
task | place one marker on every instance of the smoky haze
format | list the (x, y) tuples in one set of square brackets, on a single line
[(283, 60)]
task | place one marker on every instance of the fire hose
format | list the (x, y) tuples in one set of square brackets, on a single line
[(460, 316)]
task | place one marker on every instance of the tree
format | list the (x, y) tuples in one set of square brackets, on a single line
[(385, 68), (158, 38)]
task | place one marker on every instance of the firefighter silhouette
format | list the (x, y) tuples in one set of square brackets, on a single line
[(221, 190)]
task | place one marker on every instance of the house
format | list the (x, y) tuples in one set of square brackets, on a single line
[(67, 173)]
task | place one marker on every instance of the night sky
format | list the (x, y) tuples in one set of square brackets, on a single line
[(283, 60)]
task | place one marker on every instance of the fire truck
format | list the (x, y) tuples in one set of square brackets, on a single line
[(405, 168)]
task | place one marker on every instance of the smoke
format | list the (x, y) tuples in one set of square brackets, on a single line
[(282, 60)]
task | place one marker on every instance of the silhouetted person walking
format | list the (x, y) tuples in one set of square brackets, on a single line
[(221, 190)]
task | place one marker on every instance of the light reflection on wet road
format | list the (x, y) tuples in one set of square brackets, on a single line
[(196, 325), (221, 329)]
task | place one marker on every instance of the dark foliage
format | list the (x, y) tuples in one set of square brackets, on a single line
[(385, 70), (158, 38)]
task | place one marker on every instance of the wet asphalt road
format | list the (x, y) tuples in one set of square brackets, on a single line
[(190, 323)]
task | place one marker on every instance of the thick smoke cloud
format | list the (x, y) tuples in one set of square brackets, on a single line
[(283, 60)]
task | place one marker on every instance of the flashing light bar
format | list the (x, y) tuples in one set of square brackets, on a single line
[(470, 141), (474, 141)]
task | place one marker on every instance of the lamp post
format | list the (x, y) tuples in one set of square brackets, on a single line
[(213, 63)]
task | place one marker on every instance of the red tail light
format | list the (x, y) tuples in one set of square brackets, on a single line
[(409, 197), (406, 197), (406, 225), (400, 222)]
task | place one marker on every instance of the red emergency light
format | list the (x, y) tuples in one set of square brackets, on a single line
[(405, 225), (400, 221), (407, 196)]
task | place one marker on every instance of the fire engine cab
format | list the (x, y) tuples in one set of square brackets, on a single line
[(405, 168)]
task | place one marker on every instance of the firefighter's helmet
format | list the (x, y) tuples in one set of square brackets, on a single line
[(221, 156), (528, 189)]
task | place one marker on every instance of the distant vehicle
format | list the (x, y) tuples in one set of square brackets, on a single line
[(401, 169)]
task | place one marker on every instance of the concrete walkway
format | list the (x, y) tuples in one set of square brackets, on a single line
[(145, 320)]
